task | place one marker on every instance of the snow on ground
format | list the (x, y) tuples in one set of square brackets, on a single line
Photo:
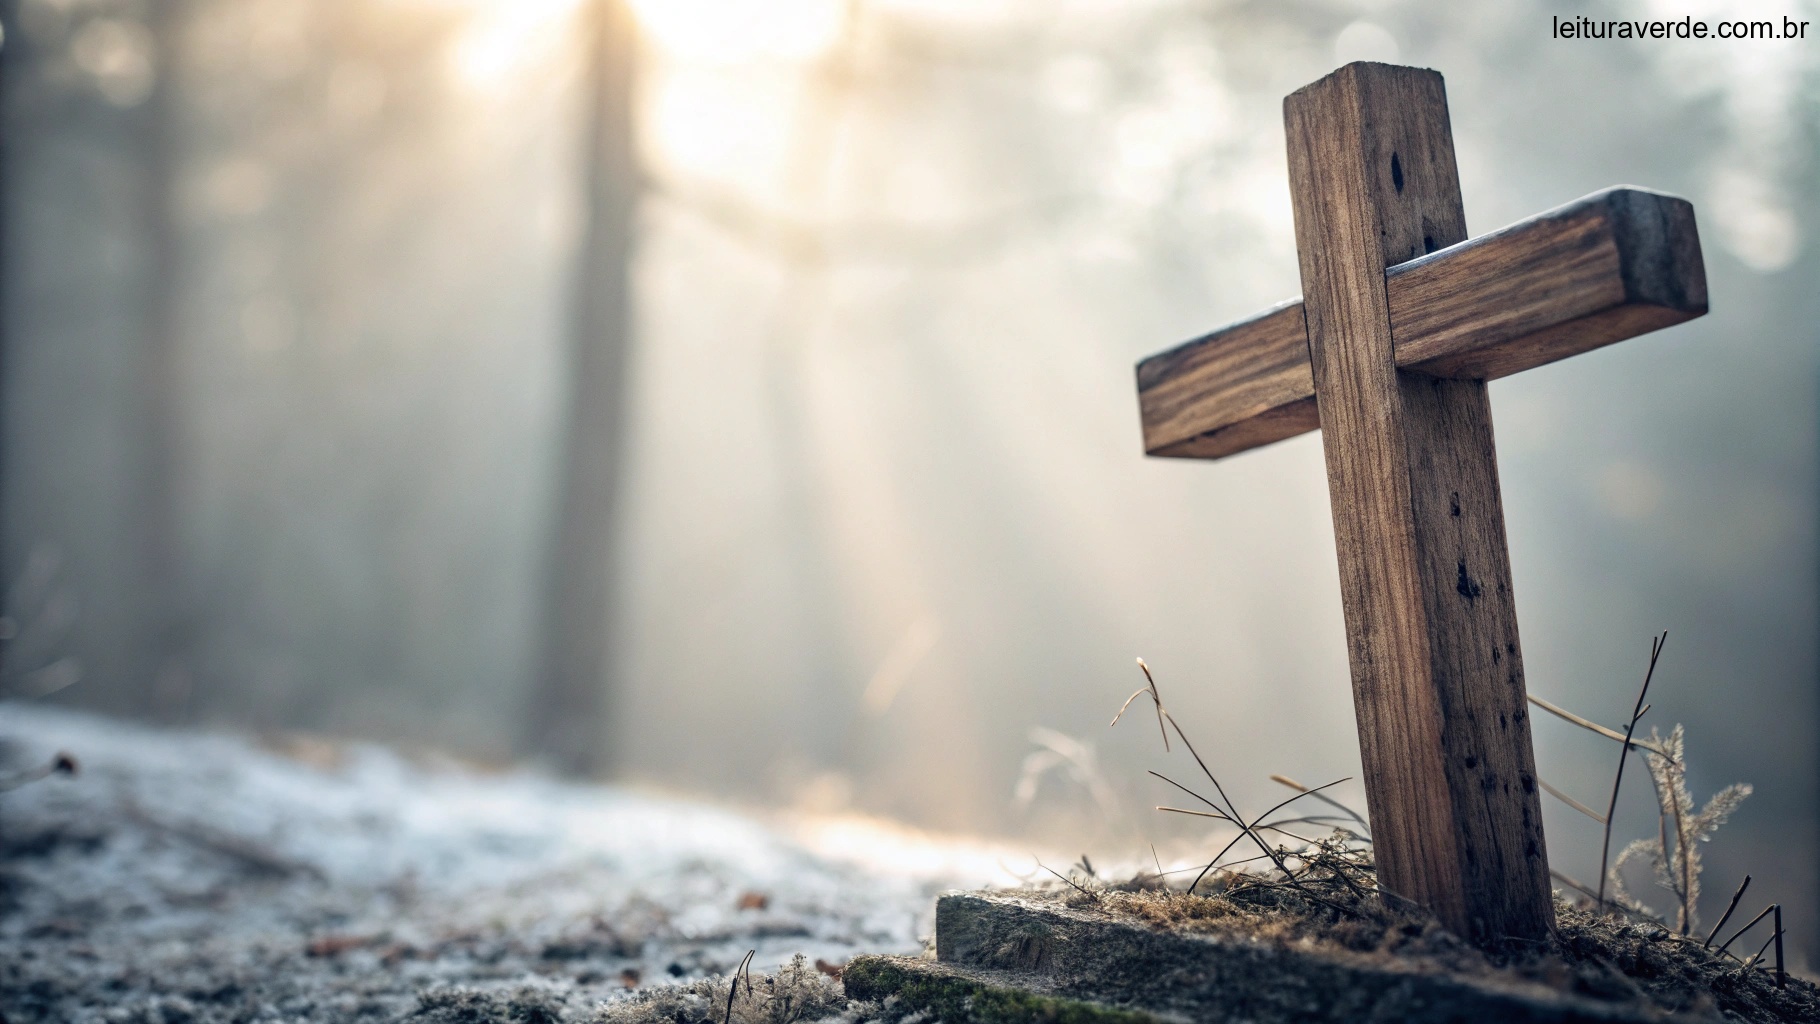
[(184, 876)]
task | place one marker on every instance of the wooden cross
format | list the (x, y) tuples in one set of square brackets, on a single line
[(1401, 323)]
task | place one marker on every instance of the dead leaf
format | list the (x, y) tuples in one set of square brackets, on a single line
[(753, 901)]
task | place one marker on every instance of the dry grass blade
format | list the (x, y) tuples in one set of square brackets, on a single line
[(1224, 850), (1585, 890), (1197, 796), (1320, 819), (1259, 821), (1571, 802), (1252, 828), (1229, 807), (1611, 809), (1315, 792), (1775, 934), (1156, 698), (1245, 831), (1269, 826), (1284, 780), (1216, 815), (1753, 923), (1279, 830), (1165, 722), (1570, 882), (1232, 811), (1781, 974), (1727, 916), (1135, 694), (1678, 867), (1591, 726), (1078, 887), (743, 970), (1685, 853)]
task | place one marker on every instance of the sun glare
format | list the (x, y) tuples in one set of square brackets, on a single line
[(502, 37), (723, 30)]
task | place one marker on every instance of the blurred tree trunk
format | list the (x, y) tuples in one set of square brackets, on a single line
[(9, 72), (825, 633), (567, 724), (165, 623)]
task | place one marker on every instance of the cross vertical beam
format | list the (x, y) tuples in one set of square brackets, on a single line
[(1431, 625)]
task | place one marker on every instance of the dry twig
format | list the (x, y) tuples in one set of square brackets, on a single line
[(1284, 780), (744, 970), (1591, 726), (1753, 923), (1571, 802), (1727, 916), (1655, 652)]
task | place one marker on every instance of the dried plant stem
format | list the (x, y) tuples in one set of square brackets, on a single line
[(1231, 811), (1611, 809), (1155, 698), (1781, 975), (1753, 923), (1587, 891), (1163, 721), (1727, 916), (1222, 815), (1662, 838), (1284, 780), (743, 970), (1592, 726), (1269, 826), (1687, 861), (1571, 802), (1078, 887), (1570, 882), (1775, 934), (1246, 830)]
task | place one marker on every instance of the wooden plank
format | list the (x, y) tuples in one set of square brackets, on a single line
[(1244, 386), (1609, 266), (1614, 265), (1412, 476)]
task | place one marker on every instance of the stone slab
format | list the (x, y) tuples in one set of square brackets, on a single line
[(1010, 959), (951, 993)]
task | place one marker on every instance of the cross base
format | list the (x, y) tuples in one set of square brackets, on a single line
[(1025, 958)]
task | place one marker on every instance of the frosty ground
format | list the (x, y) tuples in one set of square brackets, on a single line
[(186, 877)]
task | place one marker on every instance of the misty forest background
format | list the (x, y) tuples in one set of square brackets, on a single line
[(738, 398)]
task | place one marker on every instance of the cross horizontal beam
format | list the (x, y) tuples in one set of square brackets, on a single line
[(1610, 266)]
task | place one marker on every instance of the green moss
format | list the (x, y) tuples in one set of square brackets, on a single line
[(954, 999)]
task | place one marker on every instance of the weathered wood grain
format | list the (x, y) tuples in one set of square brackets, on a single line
[(1610, 266), (1243, 386), (1614, 265), (1412, 477)]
